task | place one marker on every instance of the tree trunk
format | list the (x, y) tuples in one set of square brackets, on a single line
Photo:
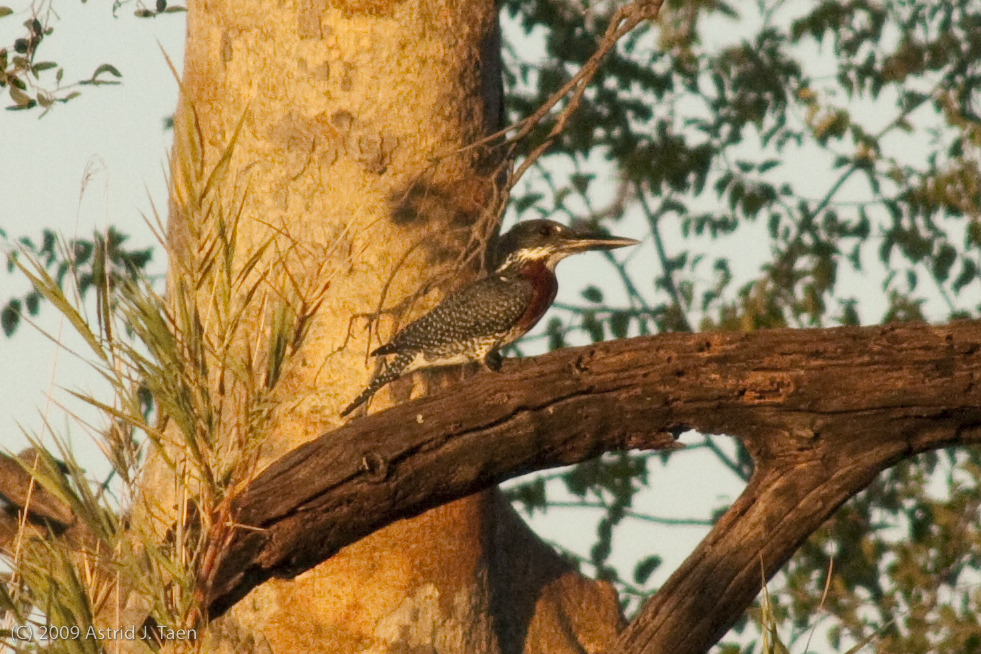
[(347, 171)]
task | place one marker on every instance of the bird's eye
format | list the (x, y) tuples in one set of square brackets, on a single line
[(547, 229)]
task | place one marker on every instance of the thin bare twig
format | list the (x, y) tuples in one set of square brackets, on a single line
[(624, 20)]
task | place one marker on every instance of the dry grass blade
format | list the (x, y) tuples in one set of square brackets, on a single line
[(164, 358), (220, 169), (768, 624), (48, 287)]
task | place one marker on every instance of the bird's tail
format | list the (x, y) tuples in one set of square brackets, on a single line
[(391, 372)]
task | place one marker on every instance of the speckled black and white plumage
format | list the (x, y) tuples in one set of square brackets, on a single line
[(484, 311), (474, 322), (467, 326)]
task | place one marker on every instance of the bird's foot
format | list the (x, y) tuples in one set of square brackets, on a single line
[(493, 361)]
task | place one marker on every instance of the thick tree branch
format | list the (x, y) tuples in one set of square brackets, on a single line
[(833, 409), (821, 411)]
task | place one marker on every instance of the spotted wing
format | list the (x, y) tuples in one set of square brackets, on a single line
[(489, 307)]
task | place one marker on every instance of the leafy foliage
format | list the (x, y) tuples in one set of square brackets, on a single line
[(707, 143), (158, 356), (101, 263), (795, 164), (21, 72)]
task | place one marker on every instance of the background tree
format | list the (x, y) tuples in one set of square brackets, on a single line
[(692, 122)]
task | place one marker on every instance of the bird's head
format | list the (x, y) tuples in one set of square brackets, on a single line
[(550, 242)]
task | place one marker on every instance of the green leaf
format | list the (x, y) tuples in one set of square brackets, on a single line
[(646, 567), (106, 68), (556, 338), (969, 272), (19, 97), (619, 324), (532, 495), (5, 11), (849, 313), (523, 203), (33, 302), (944, 261), (10, 317), (592, 326), (581, 182)]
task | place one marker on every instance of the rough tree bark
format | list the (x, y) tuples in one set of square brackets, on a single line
[(820, 411), (356, 119)]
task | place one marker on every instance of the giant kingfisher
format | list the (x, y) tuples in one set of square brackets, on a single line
[(474, 322)]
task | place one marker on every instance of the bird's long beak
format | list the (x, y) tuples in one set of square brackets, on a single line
[(585, 241)]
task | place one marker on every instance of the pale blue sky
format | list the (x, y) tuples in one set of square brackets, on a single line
[(97, 160)]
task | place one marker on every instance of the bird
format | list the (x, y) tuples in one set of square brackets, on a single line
[(473, 323)]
